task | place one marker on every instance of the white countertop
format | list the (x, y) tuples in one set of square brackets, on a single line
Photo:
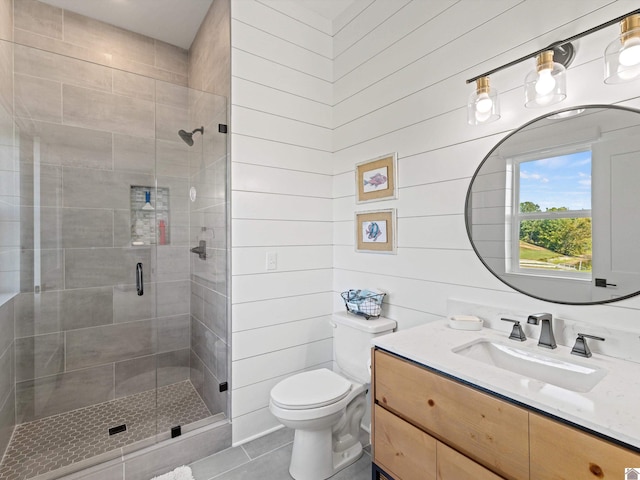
[(611, 408)]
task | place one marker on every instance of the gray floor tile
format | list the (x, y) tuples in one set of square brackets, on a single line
[(219, 463), (270, 442), (50, 443), (273, 461), (273, 466)]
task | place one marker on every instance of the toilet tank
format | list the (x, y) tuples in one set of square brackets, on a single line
[(352, 335)]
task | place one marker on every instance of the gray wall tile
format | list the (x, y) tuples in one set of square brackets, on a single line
[(105, 38), (173, 367), (173, 333), (63, 310), (134, 154), (38, 17), (97, 267), (133, 85), (60, 68), (215, 400), (60, 393), (172, 58), (6, 324), (85, 188), (50, 182), (173, 298), (111, 343), (135, 375), (70, 146), (104, 111), (7, 420), (6, 24), (128, 306), (196, 374), (51, 273), (172, 263), (39, 356), (37, 98), (87, 227), (7, 378)]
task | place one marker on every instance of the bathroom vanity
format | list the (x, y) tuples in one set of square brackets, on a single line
[(438, 414)]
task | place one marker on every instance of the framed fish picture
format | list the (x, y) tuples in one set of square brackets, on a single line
[(376, 179), (376, 231)]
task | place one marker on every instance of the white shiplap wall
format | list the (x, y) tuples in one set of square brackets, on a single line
[(281, 109), (309, 101)]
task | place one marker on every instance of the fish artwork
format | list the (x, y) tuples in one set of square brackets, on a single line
[(373, 231), (376, 180)]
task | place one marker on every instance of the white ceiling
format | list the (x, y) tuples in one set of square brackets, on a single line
[(173, 21)]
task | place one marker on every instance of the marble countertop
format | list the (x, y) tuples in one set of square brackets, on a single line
[(611, 408)]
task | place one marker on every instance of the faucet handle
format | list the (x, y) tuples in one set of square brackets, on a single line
[(516, 333), (581, 348)]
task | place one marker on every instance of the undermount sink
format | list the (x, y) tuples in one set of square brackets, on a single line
[(571, 375)]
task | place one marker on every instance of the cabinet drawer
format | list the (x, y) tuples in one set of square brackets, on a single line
[(559, 451), (455, 466), (401, 449), (490, 431)]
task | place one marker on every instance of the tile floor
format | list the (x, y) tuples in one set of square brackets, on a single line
[(50, 443), (267, 458)]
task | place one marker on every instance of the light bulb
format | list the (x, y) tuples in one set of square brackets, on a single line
[(630, 53), (545, 83), (482, 117), (484, 104)]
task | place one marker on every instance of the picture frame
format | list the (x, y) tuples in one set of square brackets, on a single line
[(376, 179), (376, 231)]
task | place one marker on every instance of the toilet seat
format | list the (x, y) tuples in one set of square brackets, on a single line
[(313, 389)]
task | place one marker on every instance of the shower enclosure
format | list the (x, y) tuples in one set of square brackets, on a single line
[(119, 335)]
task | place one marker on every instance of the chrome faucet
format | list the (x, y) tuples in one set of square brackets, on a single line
[(547, 340)]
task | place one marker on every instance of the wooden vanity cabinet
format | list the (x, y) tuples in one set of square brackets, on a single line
[(427, 426), (489, 431), (560, 451)]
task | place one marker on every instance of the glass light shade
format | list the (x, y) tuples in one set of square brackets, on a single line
[(622, 56), (547, 84), (483, 105)]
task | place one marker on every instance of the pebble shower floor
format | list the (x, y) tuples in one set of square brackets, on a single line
[(50, 443)]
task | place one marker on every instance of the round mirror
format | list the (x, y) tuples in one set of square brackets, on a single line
[(554, 209)]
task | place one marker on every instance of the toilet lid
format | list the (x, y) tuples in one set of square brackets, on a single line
[(313, 389)]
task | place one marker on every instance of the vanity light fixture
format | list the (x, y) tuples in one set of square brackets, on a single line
[(622, 56), (483, 105), (546, 85)]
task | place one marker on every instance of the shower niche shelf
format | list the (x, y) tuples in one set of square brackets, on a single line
[(149, 215)]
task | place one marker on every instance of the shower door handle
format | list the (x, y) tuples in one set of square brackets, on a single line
[(139, 283)]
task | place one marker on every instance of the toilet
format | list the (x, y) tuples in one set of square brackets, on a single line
[(325, 407)]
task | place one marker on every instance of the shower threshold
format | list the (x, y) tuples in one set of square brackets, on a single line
[(58, 441)]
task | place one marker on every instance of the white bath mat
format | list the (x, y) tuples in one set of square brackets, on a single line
[(180, 473)]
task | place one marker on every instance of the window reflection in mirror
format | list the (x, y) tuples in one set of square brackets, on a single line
[(552, 215)]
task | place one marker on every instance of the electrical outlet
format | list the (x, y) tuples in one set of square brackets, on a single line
[(272, 260)]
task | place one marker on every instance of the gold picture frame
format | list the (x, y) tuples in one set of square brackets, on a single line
[(376, 231), (376, 179)]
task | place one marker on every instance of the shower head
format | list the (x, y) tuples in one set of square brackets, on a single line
[(187, 137)]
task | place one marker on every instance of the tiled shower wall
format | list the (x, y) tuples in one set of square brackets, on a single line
[(9, 228), (209, 71), (87, 337)]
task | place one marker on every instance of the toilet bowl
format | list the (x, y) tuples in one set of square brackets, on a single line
[(325, 407), (325, 410)]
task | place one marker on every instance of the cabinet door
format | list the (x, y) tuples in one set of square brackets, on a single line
[(401, 449), (559, 451), (490, 431), (452, 465)]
